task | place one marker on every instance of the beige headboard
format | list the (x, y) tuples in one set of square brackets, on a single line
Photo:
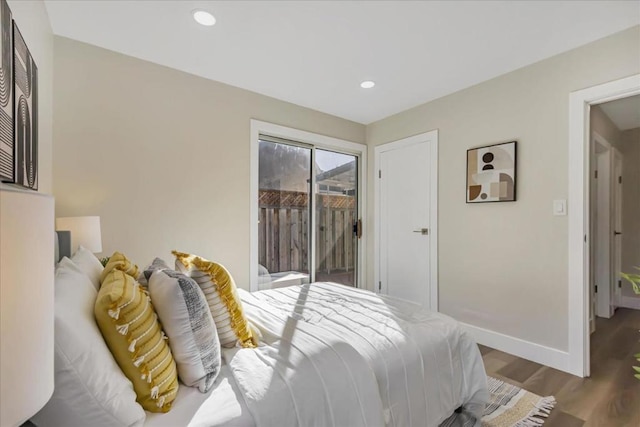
[(63, 245)]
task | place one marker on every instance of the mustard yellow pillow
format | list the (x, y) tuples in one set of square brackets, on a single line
[(225, 304), (132, 332)]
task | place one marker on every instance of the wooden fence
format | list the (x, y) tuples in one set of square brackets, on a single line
[(284, 232)]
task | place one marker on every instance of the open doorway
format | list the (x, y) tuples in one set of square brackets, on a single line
[(614, 206), (578, 207)]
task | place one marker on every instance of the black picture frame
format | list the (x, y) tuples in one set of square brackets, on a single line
[(7, 92), (25, 76), (506, 184)]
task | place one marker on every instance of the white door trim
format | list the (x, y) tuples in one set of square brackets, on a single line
[(578, 163), (431, 138), (258, 127)]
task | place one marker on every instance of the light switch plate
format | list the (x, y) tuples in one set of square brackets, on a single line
[(559, 207)]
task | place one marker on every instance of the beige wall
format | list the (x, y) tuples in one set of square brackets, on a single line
[(603, 126), (503, 266), (630, 148), (162, 156), (33, 21)]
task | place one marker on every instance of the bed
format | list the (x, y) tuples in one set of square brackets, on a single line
[(329, 355), (336, 356)]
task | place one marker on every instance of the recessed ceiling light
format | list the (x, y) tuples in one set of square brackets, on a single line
[(203, 17), (367, 84)]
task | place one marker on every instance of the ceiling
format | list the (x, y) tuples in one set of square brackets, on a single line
[(624, 113), (316, 53)]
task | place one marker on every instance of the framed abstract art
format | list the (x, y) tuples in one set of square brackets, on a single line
[(491, 173), (18, 106), (6, 95), (25, 76)]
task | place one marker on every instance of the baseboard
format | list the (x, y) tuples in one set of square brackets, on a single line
[(525, 349), (629, 302)]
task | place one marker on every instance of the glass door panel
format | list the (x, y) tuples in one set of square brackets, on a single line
[(284, 173), (336, 213)]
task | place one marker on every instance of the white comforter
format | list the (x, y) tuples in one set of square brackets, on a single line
[(338, 356)]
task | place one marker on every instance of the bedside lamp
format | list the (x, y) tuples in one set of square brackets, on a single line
[(85, 231), (26, 304)]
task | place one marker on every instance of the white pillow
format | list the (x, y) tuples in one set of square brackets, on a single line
[(186, 319), (89, 264), (90, 389)]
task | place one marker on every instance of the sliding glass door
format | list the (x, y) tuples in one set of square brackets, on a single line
[(284, 204), (294, 246), (336, 196)]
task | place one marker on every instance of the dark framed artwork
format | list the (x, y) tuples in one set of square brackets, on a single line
[(25, 75), (6, 95), (491, 173)]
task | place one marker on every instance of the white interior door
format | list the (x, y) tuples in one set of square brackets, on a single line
[(593, 212), (617, 227), (603, 235), (406, 220)]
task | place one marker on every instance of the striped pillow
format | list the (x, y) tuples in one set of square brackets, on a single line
[(186, 318), (130, 328), (225, 304)]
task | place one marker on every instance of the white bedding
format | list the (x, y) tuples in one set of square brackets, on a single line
[(424, 365), (338, 356), (222, 406)]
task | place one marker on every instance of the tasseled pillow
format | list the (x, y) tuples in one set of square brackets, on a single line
[(130, 327)]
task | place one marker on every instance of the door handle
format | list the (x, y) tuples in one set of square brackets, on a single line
[(616, 233), (357, 229), (423, 231)]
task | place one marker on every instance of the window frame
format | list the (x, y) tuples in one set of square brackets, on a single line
[(315, 141)]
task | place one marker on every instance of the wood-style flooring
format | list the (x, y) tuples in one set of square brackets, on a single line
[(609, 398)]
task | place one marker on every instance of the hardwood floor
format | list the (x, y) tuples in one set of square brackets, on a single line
[(609, 398)]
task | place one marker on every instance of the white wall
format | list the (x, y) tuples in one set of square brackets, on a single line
[(161, 155), (630, 147), (33, 21), (503, 266)]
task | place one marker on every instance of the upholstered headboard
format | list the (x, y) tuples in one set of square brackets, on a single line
[(63, 245)]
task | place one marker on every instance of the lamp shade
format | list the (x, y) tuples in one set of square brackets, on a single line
[(85, 231), (26, 304)]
